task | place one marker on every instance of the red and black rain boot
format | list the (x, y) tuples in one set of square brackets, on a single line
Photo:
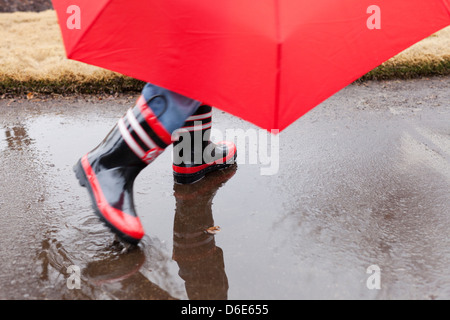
[(194, 155), (109, 171)]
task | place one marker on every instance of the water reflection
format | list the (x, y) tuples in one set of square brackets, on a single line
[(120, 276), (17, 137), (118, 272), (194, 249), (2, 142)]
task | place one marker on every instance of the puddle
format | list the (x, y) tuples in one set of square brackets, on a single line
[(2, 140), (355, 188)]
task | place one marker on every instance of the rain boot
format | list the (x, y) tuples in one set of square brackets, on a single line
[(109, 171), (194, 155)]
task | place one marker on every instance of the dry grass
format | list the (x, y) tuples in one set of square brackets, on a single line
[(429, 57), (32, 58)]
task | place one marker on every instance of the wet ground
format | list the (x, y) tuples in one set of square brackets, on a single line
[(363, 180)]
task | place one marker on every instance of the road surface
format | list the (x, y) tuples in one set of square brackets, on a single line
[(350, 202)]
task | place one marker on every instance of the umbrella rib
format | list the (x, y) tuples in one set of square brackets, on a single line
[(447, 7), (278, 64), (89, 27)]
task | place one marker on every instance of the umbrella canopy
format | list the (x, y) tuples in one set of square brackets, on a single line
[(266, 61)]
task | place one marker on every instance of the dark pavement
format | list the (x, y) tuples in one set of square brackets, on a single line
[(361, 180)]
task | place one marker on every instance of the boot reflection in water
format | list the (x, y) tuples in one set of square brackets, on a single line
[(194, 249), (118, 275), (140, 136)]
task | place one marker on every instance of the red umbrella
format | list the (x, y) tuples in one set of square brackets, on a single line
[(266, 61)]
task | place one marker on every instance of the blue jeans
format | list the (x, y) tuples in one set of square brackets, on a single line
[(173, 112)]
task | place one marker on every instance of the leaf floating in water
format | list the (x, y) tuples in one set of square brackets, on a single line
[(213, 230)]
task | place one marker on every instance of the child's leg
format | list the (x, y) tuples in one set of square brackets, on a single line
[(171, 109), (141, 135), (194, 154)]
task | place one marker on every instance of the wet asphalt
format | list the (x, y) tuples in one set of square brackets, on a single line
[(362, 181)]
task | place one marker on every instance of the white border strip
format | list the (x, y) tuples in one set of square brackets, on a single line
[(200, 117), (132, 144), (198, 127), (139, 130)]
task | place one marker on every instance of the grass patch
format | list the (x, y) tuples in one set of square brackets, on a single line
[(32, 59), (109, 85), (407, 70), (427, 58)]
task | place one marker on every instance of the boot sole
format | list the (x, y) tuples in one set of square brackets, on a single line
[(190, 178), (83, 181)]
